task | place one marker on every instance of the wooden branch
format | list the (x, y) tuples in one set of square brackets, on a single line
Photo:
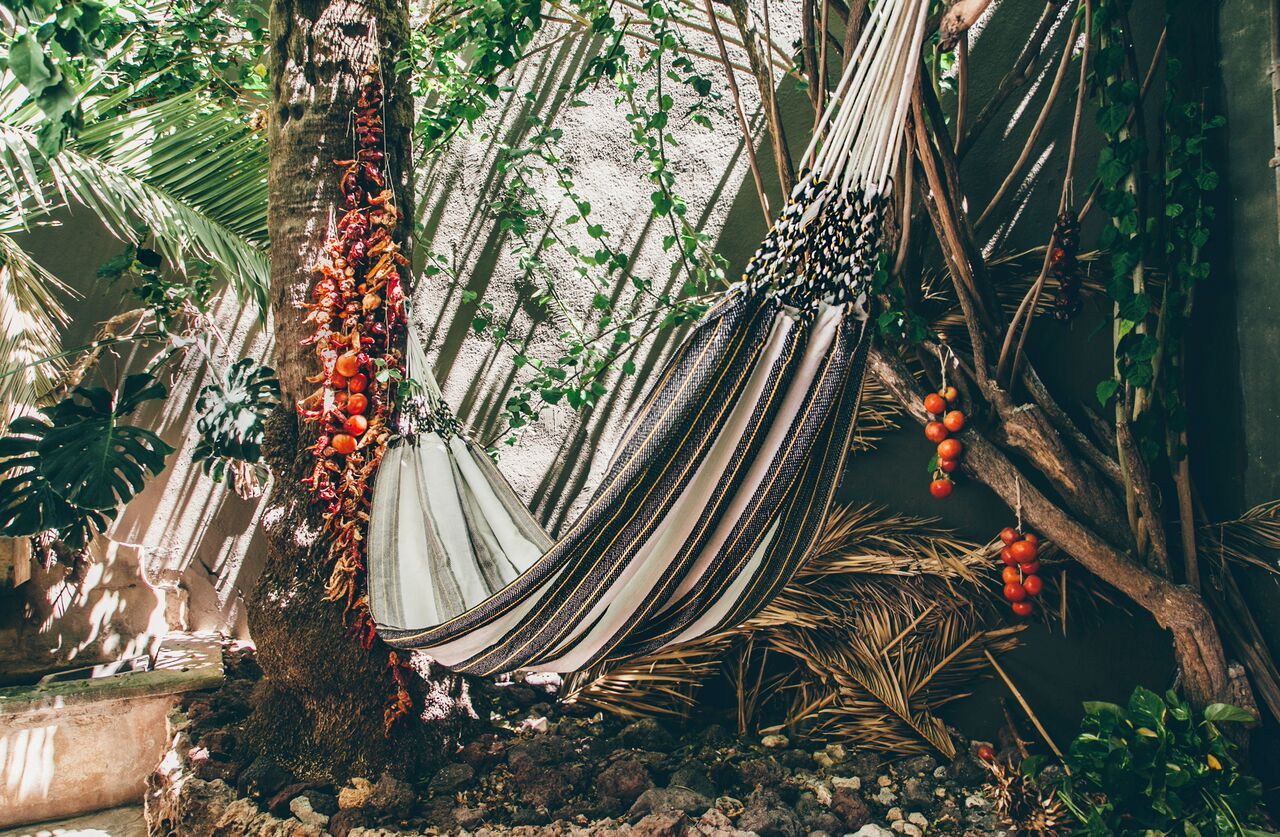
[(1178, 609), (762, 71), (1018, 75), (809, 51), (957, 20), (748, 141), (853, 28)]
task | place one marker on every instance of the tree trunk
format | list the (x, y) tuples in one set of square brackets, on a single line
[(320, 709)]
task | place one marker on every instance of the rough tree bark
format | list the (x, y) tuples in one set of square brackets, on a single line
[(319, 711)]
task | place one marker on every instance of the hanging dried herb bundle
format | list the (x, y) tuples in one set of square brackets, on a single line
[(357, 316)]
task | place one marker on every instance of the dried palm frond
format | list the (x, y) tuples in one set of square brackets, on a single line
[(1253, 538), (883, 625), (1022, 806), (877, 414)]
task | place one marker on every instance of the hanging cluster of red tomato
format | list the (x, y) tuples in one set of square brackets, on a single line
[(1021, 557), (1063, 265), (356, 314), (944, 420)]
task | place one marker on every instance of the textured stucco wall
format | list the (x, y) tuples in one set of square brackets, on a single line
[(186, 529)]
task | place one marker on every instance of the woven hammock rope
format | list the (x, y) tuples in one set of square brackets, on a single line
[(719, 487)]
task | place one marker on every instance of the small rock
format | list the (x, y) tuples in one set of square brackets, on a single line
[(775, 742), (836, 752), (469, 818), (662, 800), (850, 808), (763, 772), (872, 830), (715, 820), (391, 797), (917, 766), (535, 725), (975, 801), (451, 777), (669, 824), (279, 802), (770, 821), (347, 820), (729, 806), (894, 814), (849, 782), (917, 818), (646, 734), (356, 795), (321, 802), (912, 830), (694, 776), (884, 781), (301, 808), (625, 779), (916, 790), (885, 797)]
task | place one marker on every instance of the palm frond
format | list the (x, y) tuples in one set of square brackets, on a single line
[(191, 172), (884, 624), (31, 321), (1253, 538)]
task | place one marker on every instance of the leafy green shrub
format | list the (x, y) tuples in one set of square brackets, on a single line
[(1155, 767), (231, 419), (70, 468)]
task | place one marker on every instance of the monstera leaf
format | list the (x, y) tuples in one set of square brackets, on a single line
[(71, 468), (231, 416)]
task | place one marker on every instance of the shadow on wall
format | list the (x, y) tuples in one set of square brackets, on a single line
[(182, 554)]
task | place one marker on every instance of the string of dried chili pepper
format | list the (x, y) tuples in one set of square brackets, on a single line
[(1064, 266), (357, 317)]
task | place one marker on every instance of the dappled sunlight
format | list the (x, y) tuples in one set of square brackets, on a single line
[(26, 757)]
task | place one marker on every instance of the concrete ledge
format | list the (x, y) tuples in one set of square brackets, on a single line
[(73, 746)]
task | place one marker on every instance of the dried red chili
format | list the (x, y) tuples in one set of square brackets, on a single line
[(356, 313)]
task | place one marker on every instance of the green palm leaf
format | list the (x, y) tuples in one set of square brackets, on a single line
[(31, 323), (191, 172)]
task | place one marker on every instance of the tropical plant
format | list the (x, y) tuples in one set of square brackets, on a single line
[(69, 469), (230, 417), (1156, 766), (183, 164)]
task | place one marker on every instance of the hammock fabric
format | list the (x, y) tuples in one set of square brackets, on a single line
[(721, 484), (444, 514)]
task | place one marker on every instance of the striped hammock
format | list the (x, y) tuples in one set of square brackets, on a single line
[(720, 486)]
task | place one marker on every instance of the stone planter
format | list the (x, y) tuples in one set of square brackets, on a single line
[(70, 746)]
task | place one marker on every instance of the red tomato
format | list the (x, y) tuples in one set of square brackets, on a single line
[(348, 364), (355, 425), (1023, 551), (950, 394), (949, 449), (1011, 575), (1023, 608), (1031, 567), (1008, 534), (934, 403), (1006, 555), (343, 444), (953, 421), (940, 488), (1015, 592), (337, 381), (1031, 539), (357, 404), (986, 753), (948, 466), (935, 432), (358, 383), (1033, 585)]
